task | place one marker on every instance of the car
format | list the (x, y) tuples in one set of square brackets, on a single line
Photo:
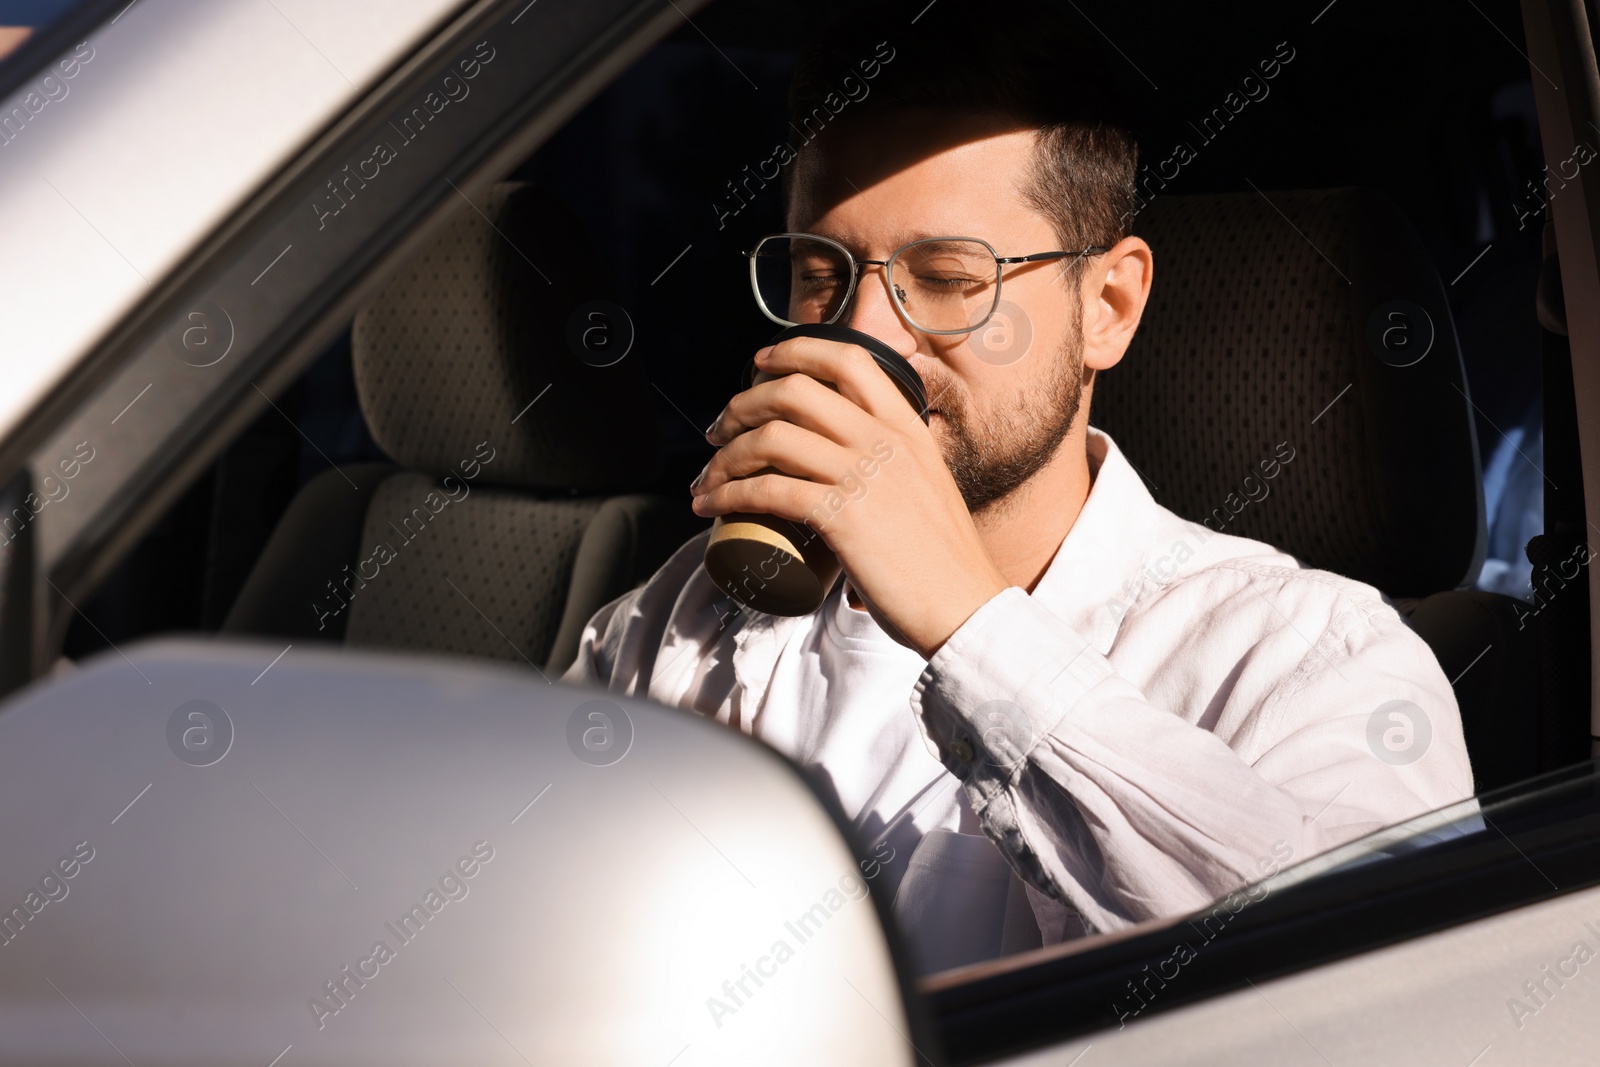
[(355, 356)]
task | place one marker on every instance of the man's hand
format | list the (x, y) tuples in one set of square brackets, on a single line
[(902, 533)]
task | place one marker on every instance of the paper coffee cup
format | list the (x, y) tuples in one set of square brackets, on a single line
[(773, 565)]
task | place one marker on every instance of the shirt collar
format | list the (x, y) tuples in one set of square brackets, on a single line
[(1122, 544)]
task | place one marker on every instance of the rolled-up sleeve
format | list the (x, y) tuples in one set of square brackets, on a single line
[(1123, 809)]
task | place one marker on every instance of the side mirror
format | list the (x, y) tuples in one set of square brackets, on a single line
[(357, 857)]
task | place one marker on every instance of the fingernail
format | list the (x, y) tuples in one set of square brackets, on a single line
[(761, 353), (698, 479)]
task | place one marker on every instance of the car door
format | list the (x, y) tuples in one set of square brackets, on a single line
[(219, 301), (156, 372)]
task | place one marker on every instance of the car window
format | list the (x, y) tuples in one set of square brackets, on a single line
[(191, 461), (201, 340)]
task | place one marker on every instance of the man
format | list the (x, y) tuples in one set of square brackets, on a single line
[(1033, 752)]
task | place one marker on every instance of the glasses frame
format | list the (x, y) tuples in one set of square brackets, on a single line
[(857, 266)]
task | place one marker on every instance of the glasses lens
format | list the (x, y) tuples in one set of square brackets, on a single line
[(946, 285), (801, 279)]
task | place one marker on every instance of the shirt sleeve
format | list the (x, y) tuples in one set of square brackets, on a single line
[(1124, 810)]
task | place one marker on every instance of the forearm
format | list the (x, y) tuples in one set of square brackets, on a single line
[(1125, 810)]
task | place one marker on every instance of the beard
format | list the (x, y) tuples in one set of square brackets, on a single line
[(993, 454)]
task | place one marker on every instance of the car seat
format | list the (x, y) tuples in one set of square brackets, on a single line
[(1314, 321), (512, 511)]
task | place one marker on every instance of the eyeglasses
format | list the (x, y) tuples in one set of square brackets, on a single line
[(940, 285)]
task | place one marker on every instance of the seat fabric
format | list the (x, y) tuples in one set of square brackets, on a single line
[(1270, 393), (511, 513)]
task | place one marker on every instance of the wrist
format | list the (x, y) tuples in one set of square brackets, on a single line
[(956, 609)]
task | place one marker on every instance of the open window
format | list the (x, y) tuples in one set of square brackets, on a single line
[(230, 449)]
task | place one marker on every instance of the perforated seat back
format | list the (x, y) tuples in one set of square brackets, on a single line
[(1262, 338), (468, 344), (1266, 334), (507, 521), (477, 577)]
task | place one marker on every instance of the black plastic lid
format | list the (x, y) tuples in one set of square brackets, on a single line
[(892, 362)]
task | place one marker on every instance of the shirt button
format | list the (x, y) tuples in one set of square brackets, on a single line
[(961, 749)]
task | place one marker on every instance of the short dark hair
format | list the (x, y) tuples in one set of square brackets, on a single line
[(1017, 58)]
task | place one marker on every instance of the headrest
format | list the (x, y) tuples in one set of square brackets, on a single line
[(1298, 323), (474, 329)]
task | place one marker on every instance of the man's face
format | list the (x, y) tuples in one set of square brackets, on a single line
[(1003, 397)]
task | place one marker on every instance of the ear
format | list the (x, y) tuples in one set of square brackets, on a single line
[(1114, 293)]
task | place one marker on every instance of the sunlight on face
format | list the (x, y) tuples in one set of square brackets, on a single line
[(1003, 396)]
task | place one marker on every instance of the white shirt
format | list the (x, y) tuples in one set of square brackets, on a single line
[(839, 705), (1171, 714)]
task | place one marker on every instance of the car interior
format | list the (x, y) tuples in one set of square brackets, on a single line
[(1372, 198)]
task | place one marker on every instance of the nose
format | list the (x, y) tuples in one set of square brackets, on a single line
[(873, 312)]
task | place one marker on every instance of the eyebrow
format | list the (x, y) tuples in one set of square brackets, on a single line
[(904, 239), (939, 246)]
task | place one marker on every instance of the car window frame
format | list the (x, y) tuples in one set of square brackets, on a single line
[(72, 219), (582, 50), (1536, 843)]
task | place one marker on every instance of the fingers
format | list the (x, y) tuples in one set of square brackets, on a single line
[(781, 446), (856, 374), (798, 399), (764, 494), (770, 493), (851, 368)]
